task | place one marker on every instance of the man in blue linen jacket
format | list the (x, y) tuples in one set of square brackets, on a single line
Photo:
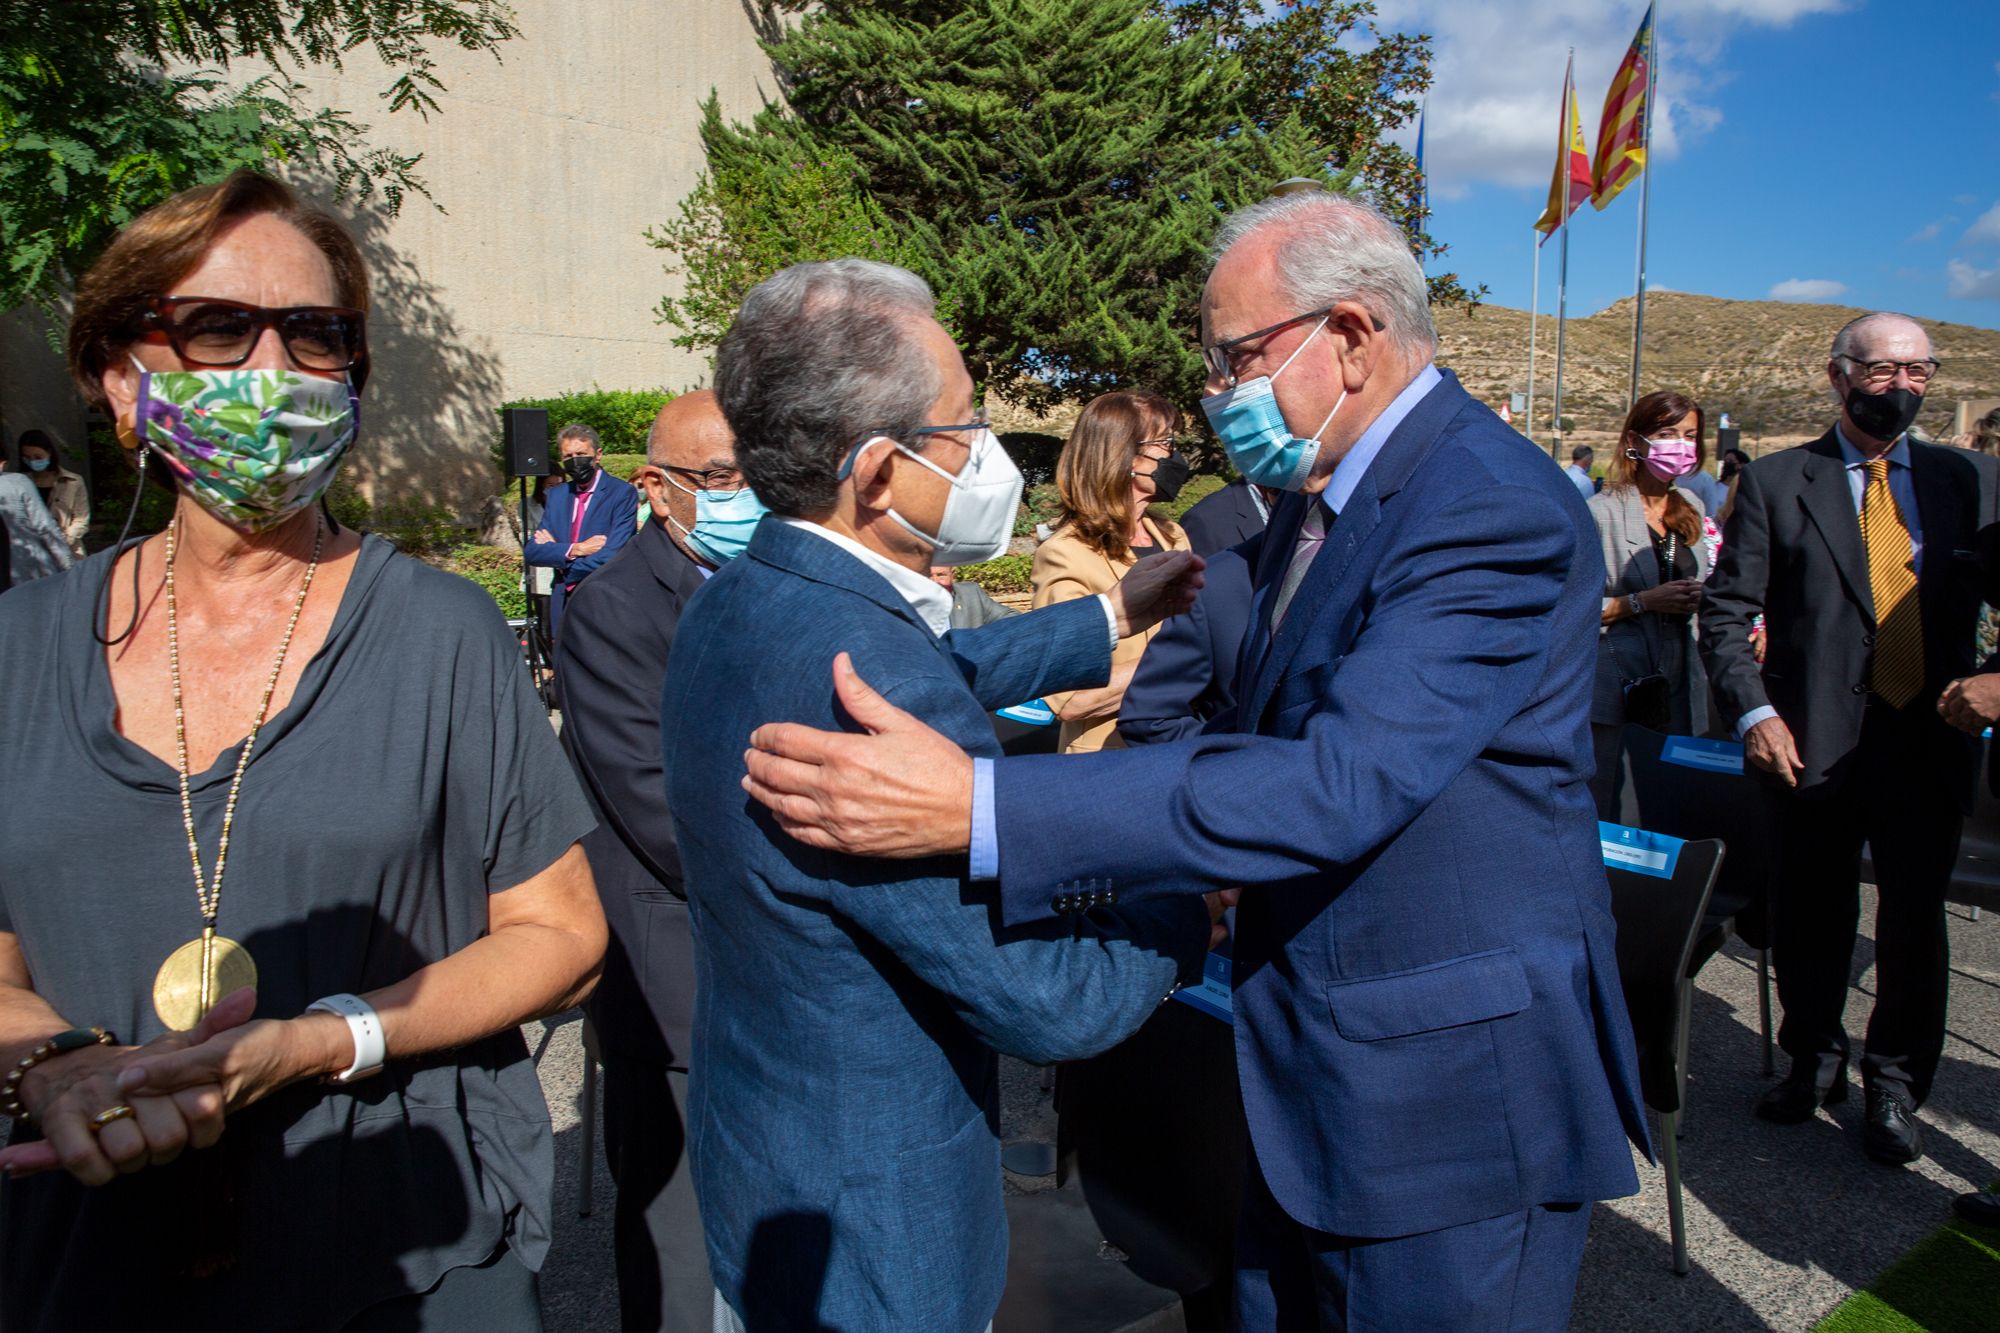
[(577, 545), (843, 1090), (1436, 1064)]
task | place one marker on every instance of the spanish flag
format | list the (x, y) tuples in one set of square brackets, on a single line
[(1621, 136), (1571, 184)]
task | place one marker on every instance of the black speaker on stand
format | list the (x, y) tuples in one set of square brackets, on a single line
[(1727, 438), (524, 433)]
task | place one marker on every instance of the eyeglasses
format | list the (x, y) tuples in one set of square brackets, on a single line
[(710, 479), (205, 331), (980, 421), (1882, 372), (1220, 358)]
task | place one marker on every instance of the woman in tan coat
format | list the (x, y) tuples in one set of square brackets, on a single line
[(1120, 460)]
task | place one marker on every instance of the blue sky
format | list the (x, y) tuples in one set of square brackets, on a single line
[(1833, 149)]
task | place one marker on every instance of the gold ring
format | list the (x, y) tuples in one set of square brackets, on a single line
[(103, 1118)]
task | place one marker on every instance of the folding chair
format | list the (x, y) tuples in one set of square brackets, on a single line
[(1660, 890), (1692, 788)]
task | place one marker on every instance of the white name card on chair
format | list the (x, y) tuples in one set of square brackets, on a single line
[(1706, 755)]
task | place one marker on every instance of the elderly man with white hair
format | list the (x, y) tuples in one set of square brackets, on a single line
[(1436, 1064), (1859, 550)]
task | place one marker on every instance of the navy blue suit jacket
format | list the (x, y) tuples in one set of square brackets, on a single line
[(1429, 1024), (1223, 519), (613, 512), (1187, 678), (612, 658), (843, 1113)]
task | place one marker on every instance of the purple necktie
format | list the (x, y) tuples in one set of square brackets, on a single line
[(1312, 534)]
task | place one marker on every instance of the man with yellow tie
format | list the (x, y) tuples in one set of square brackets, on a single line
[(1860, 551)]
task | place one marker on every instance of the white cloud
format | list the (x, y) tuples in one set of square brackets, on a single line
[(1808, 289), (1930, 231), (1965, 282), (1497, 75), (1987, 228)]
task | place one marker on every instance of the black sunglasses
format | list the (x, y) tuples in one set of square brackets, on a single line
[(207, 331)]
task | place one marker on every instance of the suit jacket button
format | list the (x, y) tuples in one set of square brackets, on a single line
[(1861, 689), (1111, 897), (1056, 904), (1868, 641)]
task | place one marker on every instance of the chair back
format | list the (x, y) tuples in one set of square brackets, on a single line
[(1660, 888), (1692, 788)]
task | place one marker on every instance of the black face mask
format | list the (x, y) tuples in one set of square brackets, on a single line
[(1169, 475), (579, 470), (1883, 416)]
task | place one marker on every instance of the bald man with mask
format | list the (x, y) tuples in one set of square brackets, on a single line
[(617, 632)]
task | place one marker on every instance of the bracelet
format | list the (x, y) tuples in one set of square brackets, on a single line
[(61, 1044), (1634, 605), (370, 1049)]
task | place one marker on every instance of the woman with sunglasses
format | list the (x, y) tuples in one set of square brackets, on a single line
[(264, 961), (1114, 475)]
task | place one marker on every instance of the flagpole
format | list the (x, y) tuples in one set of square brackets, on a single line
[(1534, 321), (1645, 196), (1562, 315)]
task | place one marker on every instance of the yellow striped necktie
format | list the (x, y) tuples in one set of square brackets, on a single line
[(1892, 578)]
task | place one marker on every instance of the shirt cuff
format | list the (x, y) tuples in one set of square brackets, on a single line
[(985, 845), (1752, 718), (1110, 619)]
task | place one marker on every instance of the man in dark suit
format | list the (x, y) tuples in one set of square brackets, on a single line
[(1187, 677), (612, 658), (588, 517), (1859, 551), (1436, 1065), (1230, 516)]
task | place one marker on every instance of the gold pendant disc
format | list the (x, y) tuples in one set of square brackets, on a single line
[(196, 976)]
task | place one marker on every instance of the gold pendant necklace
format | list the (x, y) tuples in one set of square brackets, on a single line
[(211, 966)]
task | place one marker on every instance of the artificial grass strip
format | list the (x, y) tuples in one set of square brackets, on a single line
[(1949, 1282)]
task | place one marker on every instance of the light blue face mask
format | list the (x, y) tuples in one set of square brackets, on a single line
[(37, 464), (723, 522), (1252, 429)]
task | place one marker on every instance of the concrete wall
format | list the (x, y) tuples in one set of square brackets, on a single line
[(550, 164)]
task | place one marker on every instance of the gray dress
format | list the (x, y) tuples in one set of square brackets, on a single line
[(411, 775)]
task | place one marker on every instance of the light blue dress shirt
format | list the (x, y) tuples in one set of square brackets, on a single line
[(1901, 487), (1347, 474)]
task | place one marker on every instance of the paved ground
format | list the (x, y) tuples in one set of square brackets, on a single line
[(1783, 1222)]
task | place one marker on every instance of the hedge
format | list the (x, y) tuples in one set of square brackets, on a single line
[(1009, 573)]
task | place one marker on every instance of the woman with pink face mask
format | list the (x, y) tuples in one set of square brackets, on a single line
[(1648, 669)]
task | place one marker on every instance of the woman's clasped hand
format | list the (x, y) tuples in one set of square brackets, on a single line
[(69, 1098)]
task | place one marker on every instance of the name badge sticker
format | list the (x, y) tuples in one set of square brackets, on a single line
[(1707, 755), (1214, 995), (1636, 850)]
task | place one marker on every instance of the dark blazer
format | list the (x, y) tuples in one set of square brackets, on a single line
[(1792, 550), (843, 1109), (1429, 1025), (613, 512), (1187, 677), (1223, 519), (612, 658)]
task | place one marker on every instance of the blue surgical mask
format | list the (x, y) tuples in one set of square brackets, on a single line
[(1252, 429), (37, 464), (723, 522)]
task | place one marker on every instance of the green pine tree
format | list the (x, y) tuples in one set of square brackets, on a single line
[(1054, 168)]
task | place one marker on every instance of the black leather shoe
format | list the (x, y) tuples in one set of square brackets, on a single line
[(1794, 1101), (1891, 1134), (1981, 1208)]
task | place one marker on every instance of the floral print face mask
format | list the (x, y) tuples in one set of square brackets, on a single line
[(252, 447)]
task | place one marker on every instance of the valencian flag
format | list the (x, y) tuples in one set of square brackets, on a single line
[(1571, 185), (1621, 136)]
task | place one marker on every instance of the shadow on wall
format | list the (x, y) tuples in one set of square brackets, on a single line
[(428, 411)]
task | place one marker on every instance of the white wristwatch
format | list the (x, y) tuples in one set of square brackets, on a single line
[(370, 1050)]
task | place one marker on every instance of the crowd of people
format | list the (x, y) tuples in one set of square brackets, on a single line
[(1287, 726)]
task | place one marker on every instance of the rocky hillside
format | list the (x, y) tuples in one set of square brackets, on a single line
[(1762, 361)]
